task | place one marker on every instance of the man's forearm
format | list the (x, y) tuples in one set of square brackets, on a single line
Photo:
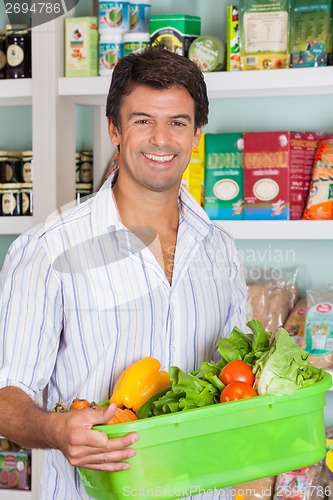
[(22, 421)]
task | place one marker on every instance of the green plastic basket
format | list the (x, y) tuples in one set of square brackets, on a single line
[(193, 451)]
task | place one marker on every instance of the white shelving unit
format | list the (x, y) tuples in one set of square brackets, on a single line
[(68, 92), (220, 85), (53, 99)]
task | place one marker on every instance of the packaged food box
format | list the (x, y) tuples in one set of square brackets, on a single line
[(233, 55), (277, 173), (224, 176), (310, 33), (193, 177), (192, 451), (15, 469), (174, 32), (81, 46), (264, 34)]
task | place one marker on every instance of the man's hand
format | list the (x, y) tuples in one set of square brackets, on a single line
[(84, 447)]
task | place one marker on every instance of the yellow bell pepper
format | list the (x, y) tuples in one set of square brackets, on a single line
[(139, 382)]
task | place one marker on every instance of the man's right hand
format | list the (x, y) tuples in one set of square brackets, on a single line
[(87, 448)]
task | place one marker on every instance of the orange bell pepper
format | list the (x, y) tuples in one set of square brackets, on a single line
[(122, 416), (138, 383)]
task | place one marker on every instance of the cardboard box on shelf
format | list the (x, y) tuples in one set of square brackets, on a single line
[(15, 469), (233, 54), (224, 184), (277, 173), (174, 32), (81, 46), (193, 177)]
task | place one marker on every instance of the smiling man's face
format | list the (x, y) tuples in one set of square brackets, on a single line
[(156, 137)]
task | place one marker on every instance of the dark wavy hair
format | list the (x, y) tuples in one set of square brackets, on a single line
[(160, 69)]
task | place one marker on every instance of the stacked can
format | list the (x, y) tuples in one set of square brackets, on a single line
[(138, 38), (114, 21), (84, 175), (16, 183)]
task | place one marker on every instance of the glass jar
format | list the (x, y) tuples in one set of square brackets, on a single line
[(86, 166), (27, 162), (83, 189), (18, 51), (2, 54), (10, 166), (26, 198), (10, 199)]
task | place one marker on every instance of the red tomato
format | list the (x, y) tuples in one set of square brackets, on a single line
[(236, 371), (237, 390)]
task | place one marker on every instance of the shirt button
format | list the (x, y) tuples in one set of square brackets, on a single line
[(173, 348)]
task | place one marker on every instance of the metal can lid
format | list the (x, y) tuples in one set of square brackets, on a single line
[(11, 186), (14, 156), (25, 185), (17, 27), (137, 37), (111, 38)]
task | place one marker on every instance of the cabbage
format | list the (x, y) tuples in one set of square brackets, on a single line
[(284, 367)]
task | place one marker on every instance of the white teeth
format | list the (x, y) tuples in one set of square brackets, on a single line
[(160, 159)]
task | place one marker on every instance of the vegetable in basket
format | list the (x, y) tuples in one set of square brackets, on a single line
[(138, 383)]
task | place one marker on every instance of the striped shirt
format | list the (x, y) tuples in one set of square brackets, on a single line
[(82, 298)]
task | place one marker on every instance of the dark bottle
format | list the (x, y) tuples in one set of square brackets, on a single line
[(18, 51), (2, 54)]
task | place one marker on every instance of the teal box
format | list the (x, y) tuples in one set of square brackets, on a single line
[(224, 176)]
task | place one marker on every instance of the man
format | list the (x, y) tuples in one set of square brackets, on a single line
[(137, 270)]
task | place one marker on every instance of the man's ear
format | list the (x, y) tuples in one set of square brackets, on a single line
[(113, 133), (196, 137)]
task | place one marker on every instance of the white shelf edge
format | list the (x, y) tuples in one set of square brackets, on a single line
[(7, 494), (16, 224), (240, 229), (279, 229), (283, 82), (15, 92)]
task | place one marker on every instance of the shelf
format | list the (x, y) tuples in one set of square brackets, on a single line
[(16, 225), (16, 494), (281, 82), (279, 229), (16, 92), (85, 90)]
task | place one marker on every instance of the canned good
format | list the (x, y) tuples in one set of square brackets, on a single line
[(18, 51), (86, 166), (110, 51), (27, 162), (113, 17), (26, 198), (10, 199), (135, 42), (139, 15), (10, 166), (83, 189), (77, 166), (2, 54)]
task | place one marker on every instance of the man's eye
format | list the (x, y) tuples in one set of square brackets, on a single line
[(179, 124), (143, 121)]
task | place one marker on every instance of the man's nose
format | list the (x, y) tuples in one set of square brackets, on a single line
[(159, 134)]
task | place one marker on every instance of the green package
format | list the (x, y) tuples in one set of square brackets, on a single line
[(310, 35), (224, 179), (264, 34), (174, 32)]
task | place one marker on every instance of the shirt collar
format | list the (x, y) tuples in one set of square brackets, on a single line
[(193, 214), (104, 212), (105, 215)]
